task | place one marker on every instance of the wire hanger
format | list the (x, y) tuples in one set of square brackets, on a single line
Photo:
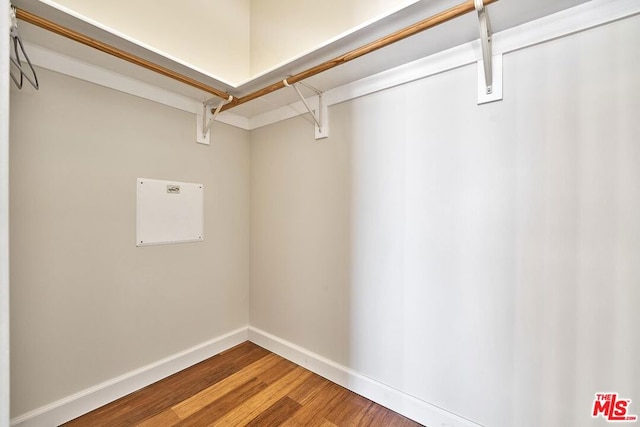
[(17, 42)]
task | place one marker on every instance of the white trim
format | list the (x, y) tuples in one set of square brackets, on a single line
[(92, 398), (63, 64), (60, 63), (4, 214), (434, 64), (564, 23), (394, 399), (233, 120), (561, 24)]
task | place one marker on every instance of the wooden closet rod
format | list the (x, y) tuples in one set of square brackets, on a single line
[(81, 38), (425, 24)]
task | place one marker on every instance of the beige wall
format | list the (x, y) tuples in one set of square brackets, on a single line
[(485, 259), (284, 29), (300, 232), (87, 305), (212, 35)]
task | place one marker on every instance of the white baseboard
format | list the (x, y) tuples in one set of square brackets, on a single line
[(396, 400), (92, 398)]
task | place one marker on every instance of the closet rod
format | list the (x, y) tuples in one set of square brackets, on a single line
[(430, 22), (81, 38), (425, 24)]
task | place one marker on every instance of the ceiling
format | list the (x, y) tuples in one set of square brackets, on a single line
[(504, 14)]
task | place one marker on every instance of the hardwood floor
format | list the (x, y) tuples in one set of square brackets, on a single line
[(244, 386)]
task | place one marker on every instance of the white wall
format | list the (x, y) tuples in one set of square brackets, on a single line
[(4, 216), (210, 35), (87, 305), (485, 259)]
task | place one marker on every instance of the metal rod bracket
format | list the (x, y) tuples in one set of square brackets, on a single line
[(485, 40), (206, 118), (320, 116), (491, 87)]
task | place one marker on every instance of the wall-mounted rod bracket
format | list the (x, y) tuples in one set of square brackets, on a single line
[(485, 40), (320, 116), (207, 118), (489, 76)]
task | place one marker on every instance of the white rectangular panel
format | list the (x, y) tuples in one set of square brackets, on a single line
[(169, 212)]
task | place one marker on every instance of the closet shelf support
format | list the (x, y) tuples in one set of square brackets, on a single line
[(208, 118), (320, 116), (490, 66), (485, 40)]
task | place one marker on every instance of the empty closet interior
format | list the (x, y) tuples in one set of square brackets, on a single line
[(432, 203)]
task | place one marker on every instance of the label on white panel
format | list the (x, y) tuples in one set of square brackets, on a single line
[(169, 212)]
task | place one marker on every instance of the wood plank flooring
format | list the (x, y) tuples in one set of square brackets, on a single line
[(244, 386)]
